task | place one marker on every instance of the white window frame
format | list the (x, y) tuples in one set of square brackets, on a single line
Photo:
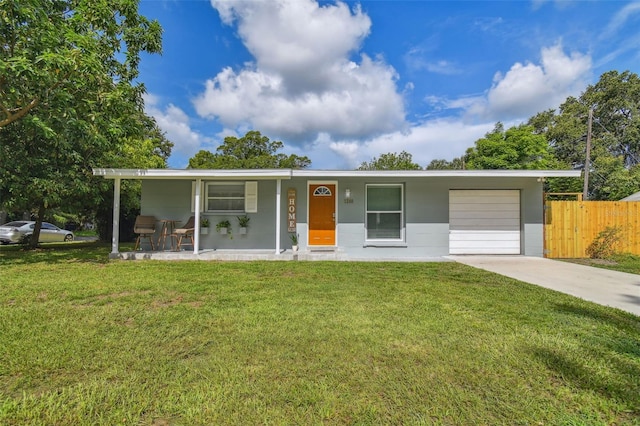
[(250, 196), (367, 211), (322, 191), (207, 197)]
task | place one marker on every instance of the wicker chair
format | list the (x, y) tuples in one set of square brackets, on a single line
[(144, 227), (184, 234)]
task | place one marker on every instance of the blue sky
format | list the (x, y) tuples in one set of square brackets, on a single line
[(342, 82)]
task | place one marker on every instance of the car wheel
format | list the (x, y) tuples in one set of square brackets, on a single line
[(68, 238), (26, 240)]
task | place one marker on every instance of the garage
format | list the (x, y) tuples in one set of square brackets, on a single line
[(484, 221)]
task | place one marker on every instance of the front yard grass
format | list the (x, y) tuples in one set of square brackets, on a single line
[(624, 262), (84, 340)]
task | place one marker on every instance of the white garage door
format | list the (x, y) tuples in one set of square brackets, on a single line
[(484, 221)]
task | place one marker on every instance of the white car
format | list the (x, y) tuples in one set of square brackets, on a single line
[(20, 231)]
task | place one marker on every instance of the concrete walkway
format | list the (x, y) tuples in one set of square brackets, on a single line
[(610, 288)]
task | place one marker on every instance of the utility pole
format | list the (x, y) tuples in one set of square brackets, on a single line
[(587, 166)]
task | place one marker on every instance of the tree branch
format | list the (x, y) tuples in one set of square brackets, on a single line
[(11, 116), (14, 116)]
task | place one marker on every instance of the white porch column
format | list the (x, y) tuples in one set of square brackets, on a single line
[(278, 208), (115, 237), (196, 237)]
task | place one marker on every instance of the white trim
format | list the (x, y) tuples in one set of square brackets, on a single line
[(115, 237), (254, 174), (373, 241), (278, 213), (322, 191), (435, 173), (214, 183), (335, 209), (193, 195), (249, 174), (197, 202)]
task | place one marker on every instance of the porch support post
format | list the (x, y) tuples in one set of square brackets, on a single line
[(196, 237), (278, 208), (115, 231)]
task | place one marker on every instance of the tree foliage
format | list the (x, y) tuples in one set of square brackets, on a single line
[(252, 151), (441, 164), (557, 139), (516, 148), (70, 101), (47, 47), (391, 161), (615, 141)]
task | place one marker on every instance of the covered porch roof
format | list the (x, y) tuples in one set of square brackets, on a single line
[(190, 174), (267, 174), (231, 174)]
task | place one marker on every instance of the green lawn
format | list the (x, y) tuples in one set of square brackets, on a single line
[(620, 262), (84, 340)]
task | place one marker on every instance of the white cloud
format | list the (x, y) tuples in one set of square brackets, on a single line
[(629, 44), (488, 23), (559, 4), (305, 87), (530, 88), (445, 138), (350, 152), (303, 81), (175, 123), (630, 48), (416, 60), (620, 19)]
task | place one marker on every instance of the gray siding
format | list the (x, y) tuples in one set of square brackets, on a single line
[(171, 199), (426, 214)]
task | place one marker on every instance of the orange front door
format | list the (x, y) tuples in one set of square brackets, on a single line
[(322, 215)]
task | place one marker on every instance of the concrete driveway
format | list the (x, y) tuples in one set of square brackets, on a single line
[(611, 288)]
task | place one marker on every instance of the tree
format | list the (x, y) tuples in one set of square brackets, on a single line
[(149, 149), (391, 161), (48, 46), (252, 151), (521, 147), (615, 142), (203, 160), (70, 100), (610, 180), (516, 148), (441, 164)]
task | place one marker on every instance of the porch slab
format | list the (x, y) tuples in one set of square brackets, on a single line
[(265, 255), (222, 255)]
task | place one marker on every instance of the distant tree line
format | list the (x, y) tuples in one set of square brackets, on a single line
[(556, 139), (252, 151)]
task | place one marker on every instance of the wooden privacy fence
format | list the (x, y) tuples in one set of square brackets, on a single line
[(570, 226)]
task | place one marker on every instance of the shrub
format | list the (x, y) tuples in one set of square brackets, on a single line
[(603, 246)]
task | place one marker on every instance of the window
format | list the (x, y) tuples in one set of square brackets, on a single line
[(385, 212), (322, 191), (226, 197)]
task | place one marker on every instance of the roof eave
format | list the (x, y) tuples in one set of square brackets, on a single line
[(266, 174), (437, 173), (258, 174)]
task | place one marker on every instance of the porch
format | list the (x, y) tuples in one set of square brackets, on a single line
[(227, 255), (265, 255)]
